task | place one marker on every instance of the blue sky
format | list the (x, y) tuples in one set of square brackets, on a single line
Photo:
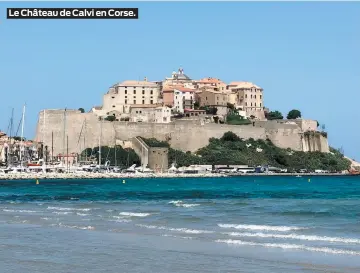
[(304, 54)]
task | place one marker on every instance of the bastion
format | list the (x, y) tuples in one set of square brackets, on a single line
[(70, 131)]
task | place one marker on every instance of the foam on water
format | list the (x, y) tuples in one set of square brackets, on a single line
[(77, 227), (184, 230), (291, 246), (260, 227), (68, 209), (296, 237), (180, 203), (21, 211), (134, 214)]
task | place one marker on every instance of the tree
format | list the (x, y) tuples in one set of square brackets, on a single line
[(110, 118), (274, 115), (81, 110), (196, 105), (230, 136), (294, 114), (230, 106), (317, 124)]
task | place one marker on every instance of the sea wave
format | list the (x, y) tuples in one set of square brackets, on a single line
[(62, 212), (184, 230), (21, 211), (260, 227), (77, 227), (82, 214), (174, 236), (296, 237), (135, 214), (291, 246), (68, 209), (179, 203)]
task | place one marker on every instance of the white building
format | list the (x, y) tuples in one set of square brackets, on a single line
[(121, 96), (183, 99)]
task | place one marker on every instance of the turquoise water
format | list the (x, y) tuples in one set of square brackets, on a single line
[(239, 224)]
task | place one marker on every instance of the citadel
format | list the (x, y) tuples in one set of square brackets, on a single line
[(180, 110)]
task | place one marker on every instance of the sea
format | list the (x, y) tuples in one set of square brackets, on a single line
[(235, 224)]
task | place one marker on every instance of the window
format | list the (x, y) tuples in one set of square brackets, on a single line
[(151, 102), (134, 101), (260, 96), (134, 92), (255, 96), (113, 97), (143, 101), (113, 106), (255, 103), (245, 96), (260, 104), (125, 101), (136, 112), (250, 96), (206, 98), (125, 91), (140, 112), (245, 103), (143, 92), (251, 104), (151, 92)]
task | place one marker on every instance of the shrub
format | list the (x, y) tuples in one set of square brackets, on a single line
[(274, 115), (81, 110), (110, 118), (294, 114)]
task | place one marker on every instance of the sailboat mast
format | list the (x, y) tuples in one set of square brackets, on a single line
[(22, 135), (67, 153), (115, 151), (100, 142), (85, 148), (43, 142), (64, 133), (52, 146)]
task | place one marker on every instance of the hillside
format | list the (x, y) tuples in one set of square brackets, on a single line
[(232, 150)]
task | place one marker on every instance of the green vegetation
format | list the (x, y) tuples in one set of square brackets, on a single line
[(236, 119), (81, 110), (209, 110), (274, 115), (18, 138), (231, 150), (124, 157), (294, 114), (110, 118)]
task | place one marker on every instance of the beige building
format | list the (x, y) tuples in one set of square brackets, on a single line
[(249, 97), (150, 113), (123, 95), (211, 83), (214, 98)]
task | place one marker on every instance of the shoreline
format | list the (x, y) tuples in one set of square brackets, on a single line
[(50, 176)]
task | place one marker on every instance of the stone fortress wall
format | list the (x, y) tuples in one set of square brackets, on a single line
[(84, 129)]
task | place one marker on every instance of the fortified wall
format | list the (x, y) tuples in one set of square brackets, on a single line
[(72, 131)]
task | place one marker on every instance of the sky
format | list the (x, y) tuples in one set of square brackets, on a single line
[(305, 55)]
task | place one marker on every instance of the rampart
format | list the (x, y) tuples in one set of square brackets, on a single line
[(85, 130)]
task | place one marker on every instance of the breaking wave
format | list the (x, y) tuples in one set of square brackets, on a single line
[(296, 237), (184, 230), (180, 203), (291, 246), (260, 227)]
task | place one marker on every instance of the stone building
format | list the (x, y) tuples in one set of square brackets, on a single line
[(210, 83), (123, 95), (150, 113), (178, 78), (215, 98), (250, 97)]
